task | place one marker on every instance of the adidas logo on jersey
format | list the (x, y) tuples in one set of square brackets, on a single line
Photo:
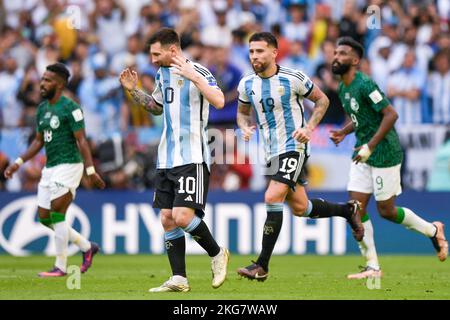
[(287, 176), (188, 198), (252, 93)]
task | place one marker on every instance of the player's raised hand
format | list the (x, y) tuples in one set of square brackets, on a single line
[(128, 78), (337, 136), (247, 132), (96, 180), (302, 135), (9, 172), (183, 68)]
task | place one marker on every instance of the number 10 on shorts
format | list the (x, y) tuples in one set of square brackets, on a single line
[(187, 186)]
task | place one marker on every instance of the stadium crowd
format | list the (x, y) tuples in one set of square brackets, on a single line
[(407, 53)]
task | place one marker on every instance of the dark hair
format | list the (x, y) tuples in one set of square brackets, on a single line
[(276, 28), (266, 37), (165, 36), (355, 45), (60, 69), (442, 52)]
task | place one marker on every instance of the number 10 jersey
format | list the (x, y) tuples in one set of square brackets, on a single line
[(184, 138)]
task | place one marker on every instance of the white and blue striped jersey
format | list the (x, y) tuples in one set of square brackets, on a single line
[(278, 104), (185, 112)]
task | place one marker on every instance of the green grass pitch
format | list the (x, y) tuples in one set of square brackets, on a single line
[(291, 278)]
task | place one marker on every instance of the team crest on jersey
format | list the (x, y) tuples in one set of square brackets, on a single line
[(180, 82), (47, 115), (354, 104), (54, 122), (281, 90)]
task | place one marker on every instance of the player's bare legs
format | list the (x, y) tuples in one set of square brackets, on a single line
[(298, 201), (406, 217), (367, 244)]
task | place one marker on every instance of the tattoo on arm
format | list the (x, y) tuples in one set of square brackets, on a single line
[(321, 105), (145, 101), (244, 118)]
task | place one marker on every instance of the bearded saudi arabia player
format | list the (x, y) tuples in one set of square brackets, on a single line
[(60, 128), (378, 155)]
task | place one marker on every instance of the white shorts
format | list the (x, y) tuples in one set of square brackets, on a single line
[(384, 183), (57, 181)]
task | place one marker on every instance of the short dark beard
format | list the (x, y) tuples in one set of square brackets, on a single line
[(340, 69), (49, 94), (261, 69)]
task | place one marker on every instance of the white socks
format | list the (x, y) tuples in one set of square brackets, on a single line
[(74, 237), (61, 243), (367, 245), (405, 217), (412, 221), (79, 240)]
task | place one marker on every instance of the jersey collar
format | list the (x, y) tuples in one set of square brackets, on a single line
[(278, 70)]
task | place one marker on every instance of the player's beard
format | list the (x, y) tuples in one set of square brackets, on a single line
[(340, 68), (48, 94), (262, 67)]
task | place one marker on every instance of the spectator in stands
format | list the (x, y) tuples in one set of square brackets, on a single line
[(227, 76), (231, 171), (439, 88), (297, 28), (283, 43), (404, 87), (134, 52), (298, 58), (380, 63), (30, 97), (101, 97), (10, 80), (108, 21)]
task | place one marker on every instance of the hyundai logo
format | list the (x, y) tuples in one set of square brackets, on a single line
[(26, 229)]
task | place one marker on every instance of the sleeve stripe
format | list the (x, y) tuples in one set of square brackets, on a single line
[(201, 71), (297, 75), (202, 68), (292, 72)]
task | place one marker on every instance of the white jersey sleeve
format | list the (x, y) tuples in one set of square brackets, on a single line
[(243, 98), (206, 74), (302, 84), (157, 93)]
